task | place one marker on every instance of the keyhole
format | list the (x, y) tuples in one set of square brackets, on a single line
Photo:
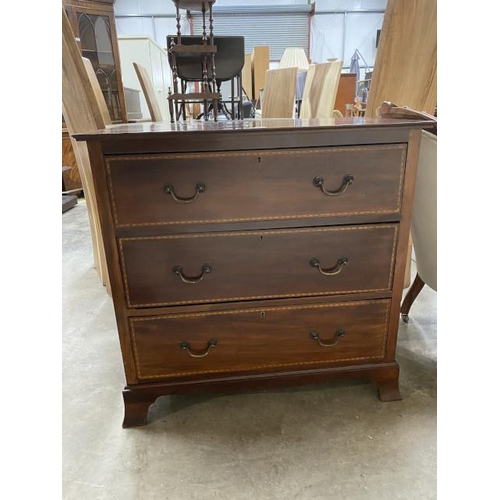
[(259, 159), (262, 314)]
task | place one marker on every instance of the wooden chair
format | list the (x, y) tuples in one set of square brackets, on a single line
[(149, 93), (97, 91), (100, 96), (320, 90), (82, 113), (278, 99)]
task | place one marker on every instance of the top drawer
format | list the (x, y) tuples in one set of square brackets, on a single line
[(241, 186)]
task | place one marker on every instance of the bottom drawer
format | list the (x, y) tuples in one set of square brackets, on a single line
[(266, 339)]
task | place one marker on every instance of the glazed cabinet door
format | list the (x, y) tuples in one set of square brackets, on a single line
[(94, 25)]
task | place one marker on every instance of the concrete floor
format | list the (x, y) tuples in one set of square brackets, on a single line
[(335, 441)]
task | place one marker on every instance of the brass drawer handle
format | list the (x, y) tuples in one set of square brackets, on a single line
[(187, 346), (346, 182), (205, 269), (200, 188), (343, 261), (340, 333)]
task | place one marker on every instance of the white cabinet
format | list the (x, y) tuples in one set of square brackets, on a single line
[(146, 52)]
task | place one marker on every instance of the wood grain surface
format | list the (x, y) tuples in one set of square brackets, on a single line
[(97, 91), (257, 185), (405, 70), (246, 77), (278, 100), (82, 113), (71, 177), (149, 92), (251, 265), (260, 339), (320, 90), (260, 64), (345, 92)]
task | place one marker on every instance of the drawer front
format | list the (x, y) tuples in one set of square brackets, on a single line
[(249, 265), (256, 185), (273, 339)]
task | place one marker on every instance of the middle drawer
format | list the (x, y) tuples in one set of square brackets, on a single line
[(249, 265)]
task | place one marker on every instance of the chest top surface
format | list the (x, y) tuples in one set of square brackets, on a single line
[(159, 129), (240, 135)]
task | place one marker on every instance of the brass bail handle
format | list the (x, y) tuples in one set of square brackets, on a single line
[(205, 269), (339, 334), (187, 347), (200, 188), (341, 263), (346, 182)]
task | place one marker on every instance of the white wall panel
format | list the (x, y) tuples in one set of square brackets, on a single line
[(326, 37), (168, 26), (361, 34), (144, 7), (147, 53), (155, 28), (322, 5), (135, 26), (127, 6), (157, 7), (263, 3)]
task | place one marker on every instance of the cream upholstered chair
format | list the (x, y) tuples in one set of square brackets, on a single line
[(149, 93), (424, 222), (278, 98), (320, 90)]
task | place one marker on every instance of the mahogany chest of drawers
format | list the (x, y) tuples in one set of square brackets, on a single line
[(249, 255)]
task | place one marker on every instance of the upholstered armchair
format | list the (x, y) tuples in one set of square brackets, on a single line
[(424, 222)]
